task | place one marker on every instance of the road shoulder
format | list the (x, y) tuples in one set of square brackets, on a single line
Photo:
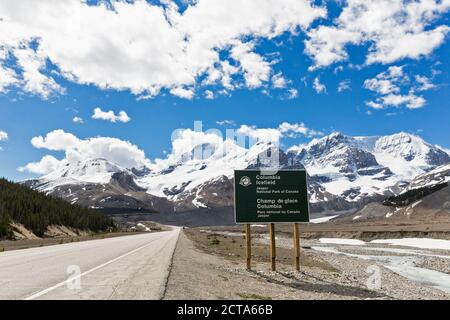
[(197, 274)]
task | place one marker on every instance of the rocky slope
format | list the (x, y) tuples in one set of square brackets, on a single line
[(426, 200)]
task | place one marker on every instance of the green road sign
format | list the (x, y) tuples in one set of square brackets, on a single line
[(269, 197)]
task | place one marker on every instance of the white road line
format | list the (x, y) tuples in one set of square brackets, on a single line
[(56, 286)]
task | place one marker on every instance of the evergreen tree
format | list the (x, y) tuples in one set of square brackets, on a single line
[(37, 211)]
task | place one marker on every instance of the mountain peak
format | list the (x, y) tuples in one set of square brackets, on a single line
[(336, 135), (93, 170)]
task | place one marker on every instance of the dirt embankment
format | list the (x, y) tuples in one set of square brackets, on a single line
[(55, 234), (7, 245), (211, 265), (21, 233)]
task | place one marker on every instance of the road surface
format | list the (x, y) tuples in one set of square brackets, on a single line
[(128, 267)]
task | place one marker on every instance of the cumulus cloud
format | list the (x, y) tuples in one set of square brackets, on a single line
[(3, 136), (120, 152), (284, 130), (279, 81), (260, 134), (293, 130), (154, 46), (319, 87), (185, 143), (30, 75), (183, 93), (46, 165), (7, 78), (33, 79), (395, 88), (395, 29), (110, 116), (57, 140), (78, 120), (185, 140)]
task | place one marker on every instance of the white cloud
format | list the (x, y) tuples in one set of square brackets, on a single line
[(7, 78), (263, 134), (33, 79), (389, 85), (209, 94), (226, 122), (120, 152), (424, 83), (78, 120), (293, 130), (387, 82), (3, 136), (30, 79), (285, 129), (410, 100), (344, 85), (185, 140), (153, 47), (57, 140), (292, 93), (256, 69), (279, 81), (46, 165), (127, 155), (110, 116), (182, 93), (319, 87), (395, 29), (338, 69)]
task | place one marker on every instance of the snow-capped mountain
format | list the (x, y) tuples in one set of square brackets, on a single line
[(358, 168), (425, 200), (108, 187), (438, 176), (345, 172), (90, 171)]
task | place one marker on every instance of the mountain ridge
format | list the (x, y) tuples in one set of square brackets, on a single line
[(345, 173)]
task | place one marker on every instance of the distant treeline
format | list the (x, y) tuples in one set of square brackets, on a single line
[(411, 196), (36, 211)]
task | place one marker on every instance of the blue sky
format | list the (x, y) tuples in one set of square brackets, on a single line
[(45, 86)]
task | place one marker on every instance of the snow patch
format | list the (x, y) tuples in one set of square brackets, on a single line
[(323, 219), (350, 242), (423, 243)]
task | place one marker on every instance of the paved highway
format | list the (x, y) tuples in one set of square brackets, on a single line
[(128, 267)]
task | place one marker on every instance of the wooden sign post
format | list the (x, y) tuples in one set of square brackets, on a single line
[(272, 246), (248, 240), (296, 246), (268, 197)]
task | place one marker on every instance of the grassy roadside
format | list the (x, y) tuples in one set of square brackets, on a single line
[(232, 247)]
